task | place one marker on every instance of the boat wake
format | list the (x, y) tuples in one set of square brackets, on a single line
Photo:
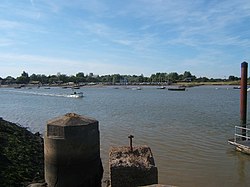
[(41, 94)]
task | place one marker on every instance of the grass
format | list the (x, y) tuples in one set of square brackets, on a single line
[(190, 84)]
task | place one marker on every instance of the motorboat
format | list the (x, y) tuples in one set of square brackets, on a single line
[(76, 95), (161, 87), (137, 88)]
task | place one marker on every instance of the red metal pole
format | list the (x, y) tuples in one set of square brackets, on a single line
[(243, 97)]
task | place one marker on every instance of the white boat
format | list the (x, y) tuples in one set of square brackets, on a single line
[(137, 88), (161, 87), (76, 95)]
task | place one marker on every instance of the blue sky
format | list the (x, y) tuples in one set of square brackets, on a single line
[(206, 37)]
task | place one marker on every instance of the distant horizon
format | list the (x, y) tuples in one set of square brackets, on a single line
[(133, 37)]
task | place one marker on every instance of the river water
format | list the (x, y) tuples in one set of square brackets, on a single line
[(187, 131)]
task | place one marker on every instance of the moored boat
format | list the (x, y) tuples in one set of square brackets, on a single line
[(137, 88), (177, 89), (161, 87), (236, 87), (76, 87), (18, 87)]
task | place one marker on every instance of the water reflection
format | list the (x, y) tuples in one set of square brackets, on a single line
[(242, 161), (241, 172)]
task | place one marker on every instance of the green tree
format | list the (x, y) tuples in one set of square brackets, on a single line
[(63, 78), (202, 79), (23, 79), (9, 80), (80, 77), (141, 78), (52, 79), (73, 78), (43, 79), (233, 78), (173, 76), (106, 78), (116, 78), (24, 74), (34, 77), (187, 74), (80, 74)]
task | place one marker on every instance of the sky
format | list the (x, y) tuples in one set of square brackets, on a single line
[(209, 38)]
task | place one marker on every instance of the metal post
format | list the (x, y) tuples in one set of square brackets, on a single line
[(131, 145), (243, 97)]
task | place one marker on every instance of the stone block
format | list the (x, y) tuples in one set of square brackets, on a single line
[(132, 168)]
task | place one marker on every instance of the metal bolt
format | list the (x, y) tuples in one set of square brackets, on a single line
[(131, 146)]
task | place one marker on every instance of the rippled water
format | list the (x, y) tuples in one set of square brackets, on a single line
[(187, 131)]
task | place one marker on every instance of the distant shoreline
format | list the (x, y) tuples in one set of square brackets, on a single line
[(186, 84)]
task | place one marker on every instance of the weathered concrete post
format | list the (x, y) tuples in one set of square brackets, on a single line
[(72, 152), (243, 97), (132, 168)]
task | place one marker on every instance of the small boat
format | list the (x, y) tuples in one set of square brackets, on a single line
[(76, 87), (18, 87), (161, 87), (177, 89), (236, 87), (137, 88), (76, 95)]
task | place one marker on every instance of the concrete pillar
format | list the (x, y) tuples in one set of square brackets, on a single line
[(132, 168), (72, 152)]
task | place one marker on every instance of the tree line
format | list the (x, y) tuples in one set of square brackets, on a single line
[(80, 77)]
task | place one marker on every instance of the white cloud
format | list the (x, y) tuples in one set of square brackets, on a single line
[(16, 63)]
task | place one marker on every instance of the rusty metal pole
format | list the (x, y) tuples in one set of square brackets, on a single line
[(131, 145), (243, 98)]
